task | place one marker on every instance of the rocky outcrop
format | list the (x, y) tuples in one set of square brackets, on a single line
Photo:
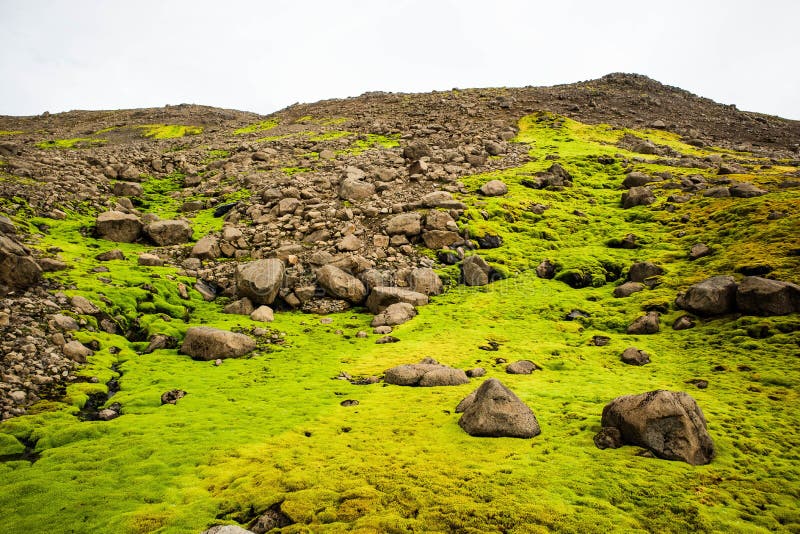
[(260, 280), (206, 343), (668, 423), (495, 411), (761, 296)]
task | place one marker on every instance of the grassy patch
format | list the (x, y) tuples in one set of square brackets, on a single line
[(169, 131), (75, 142), (257, 127)]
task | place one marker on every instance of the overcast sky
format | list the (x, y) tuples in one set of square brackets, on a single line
[(58, 55)]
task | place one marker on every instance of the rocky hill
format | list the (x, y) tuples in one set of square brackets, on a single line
[(189, 291)]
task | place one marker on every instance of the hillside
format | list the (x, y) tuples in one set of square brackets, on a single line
[(211, 317)]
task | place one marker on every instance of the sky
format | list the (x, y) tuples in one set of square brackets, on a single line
[(262, 56)]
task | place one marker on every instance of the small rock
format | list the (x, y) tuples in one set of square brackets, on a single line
[(522, 367), (172, 396), (634, 356), (647, 324), (263, 314), (494, 188)]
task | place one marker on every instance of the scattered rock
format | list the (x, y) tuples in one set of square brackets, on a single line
[(18, 270), (638, 196), (149, 260), (382, 297), (76, 351), (227, 529), (425, 281), (169, 232), (668, 423), (684, 322), (354, 189), (395, 314), (475, 271), (113, 254), (206, 248), (243, 306), (647, 324), (634, 356), (699, 250), (476, 372), (206, 343), (522, 367), (425, 375), (260, 280), (641, 271), (546, 270), (761, 296), (714, 296), (495, 411), (340, 284), (172, 396), (490, 241), (627, 289), (160, 341), (386, 339), (263, 314), (638, 179), (494, 188), (408, 224), (118, 226)]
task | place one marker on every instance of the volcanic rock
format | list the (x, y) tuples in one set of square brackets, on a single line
[(206, 343), (495, 411)]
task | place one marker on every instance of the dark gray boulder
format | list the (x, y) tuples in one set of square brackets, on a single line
[(641, 271), (762, 296), (495, 411), (714, 296), (668, 423)]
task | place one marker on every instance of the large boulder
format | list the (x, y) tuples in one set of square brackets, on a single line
[(425, 280), (118, 226), (438, 239), (382, 297), (761, 296), (638, 179), (408, 224), (206, 343), (18, 270), (494, 411), (714, 296), (637, 196), (340, 284), (475, 271), (206, 248), (169, 232), (641, 271), (428, 373), (668, 423), (634, 356), (494, 188), (260, 280)]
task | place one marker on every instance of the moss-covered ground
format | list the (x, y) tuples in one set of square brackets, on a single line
[(270, 429)]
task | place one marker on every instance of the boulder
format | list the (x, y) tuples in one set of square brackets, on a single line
[(206, 343), (684, 322), (495, 411), (646, 324), (149, 260), (169, 232), (113, 254), (394, 314), (76, 351), (762, 296), (206, 248), (438, 239), (355, 189), (127, 189), (18, 270), (522, 367), (260, 280), (638, 179), (714, 296), (340, 284), (637, 196), (475, 271), (243, 306), (263, 314), (416, 150), (426, 281), (382, 297), (668, 423), (227, 529), (425, 375), (641, 271), (745, 190), (172, 396), (546, 270), (408, 224), (494, 188), (118, 226), (349, 243), (699, 250), (634, 356), (627, 289)]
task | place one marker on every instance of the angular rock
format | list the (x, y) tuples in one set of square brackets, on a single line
[(382, 297), (84, 306), (641, 271), (394, 314), (762, 296), (494, 188), (408, 224), (627, 289), (546, 270), (118, 226), (206, 248), (668, 423), (425, 375), (638, 179), (638, 196), (169, 232), (127, 189), (417, 150), (149, 260), (490, 241), (522, 367), (243, 306), (495, 411), (714, 296), (18, 270), (426, 281), (646, 324), (76, 351), (438, 239), (475, 271), (206, 343), (634, 356), (699, 250), (684, 322), (172, 396), (113, 254), (340, 284), (745, 190), (354, 189), (349, 243), (260, 280)]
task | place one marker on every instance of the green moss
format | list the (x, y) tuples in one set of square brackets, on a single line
[(76, 142), (257, 127), (290, 171), (169, 131), (11, 132)]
